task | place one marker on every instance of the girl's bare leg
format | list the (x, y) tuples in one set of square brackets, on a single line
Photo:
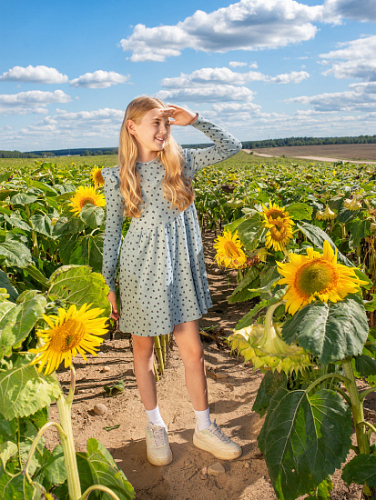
[(192, 355), (143, 349)]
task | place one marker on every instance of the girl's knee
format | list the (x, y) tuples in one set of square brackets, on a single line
[(193, 356), (143, 346)]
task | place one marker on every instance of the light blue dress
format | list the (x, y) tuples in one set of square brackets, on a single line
[(162, 279)]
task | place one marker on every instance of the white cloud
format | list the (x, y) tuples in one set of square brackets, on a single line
[(33, 101), (99, 79), (236, 64), (336, 10), (246, 25), (357, 59), (207, 93), (22, 111), (361, 97), (226, 76), (34, 74)]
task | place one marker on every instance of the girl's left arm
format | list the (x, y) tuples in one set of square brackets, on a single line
[(225, 145)]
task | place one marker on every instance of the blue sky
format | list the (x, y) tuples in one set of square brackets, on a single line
[(261, 68)]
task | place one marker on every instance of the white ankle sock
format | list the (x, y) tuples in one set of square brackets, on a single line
[(155, 417), (203, 419)]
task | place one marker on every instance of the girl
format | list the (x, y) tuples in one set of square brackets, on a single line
[(163, 281)]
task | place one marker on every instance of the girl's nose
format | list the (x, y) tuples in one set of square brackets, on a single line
[(163, 128)]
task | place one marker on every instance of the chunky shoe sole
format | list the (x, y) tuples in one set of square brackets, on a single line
[(160, 461), (221, 454)]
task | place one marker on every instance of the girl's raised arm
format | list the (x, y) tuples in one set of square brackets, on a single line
[(114, 224)]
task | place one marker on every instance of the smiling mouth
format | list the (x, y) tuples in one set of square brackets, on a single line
[(160, 139)]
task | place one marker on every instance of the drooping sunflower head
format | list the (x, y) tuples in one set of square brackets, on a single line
[(327, 214), (97, 177), (353, 204), (316, 276), (84, 195), (70, 332), (229, 251)]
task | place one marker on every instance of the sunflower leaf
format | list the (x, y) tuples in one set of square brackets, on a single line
[(304, 439), (17, 320), (299, 211), (23, 391), (92, 215), (329, 331), (242, 293), (361, 469), (98, 467), (79, 285), (15, 253), (317, 236), (18, 487)]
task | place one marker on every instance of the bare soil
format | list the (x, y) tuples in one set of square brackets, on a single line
[(334, 152), (231, 400)]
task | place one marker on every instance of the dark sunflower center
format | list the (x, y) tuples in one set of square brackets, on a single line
[(67, 336), (231, 250), (87, 200), (315, 276)]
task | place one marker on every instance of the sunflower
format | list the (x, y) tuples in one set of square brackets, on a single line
[(229, 251), (327, 214), (84, 195), (353, 204), (263, 346), (279, 223), (97, 177), (316, 276), (71, 332)]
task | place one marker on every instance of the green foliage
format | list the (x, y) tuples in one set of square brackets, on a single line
[(330, 331), (304, 438), (361, 469)]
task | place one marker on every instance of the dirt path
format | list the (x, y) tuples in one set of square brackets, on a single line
[(316, 158), (231, 400)]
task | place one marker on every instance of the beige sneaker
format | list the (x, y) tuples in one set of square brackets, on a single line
[(215, 442), (157, 447)]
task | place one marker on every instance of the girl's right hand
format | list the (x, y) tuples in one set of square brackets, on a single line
[(112, 298)]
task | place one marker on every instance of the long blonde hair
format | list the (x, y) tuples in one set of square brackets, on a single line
[(176, 188)]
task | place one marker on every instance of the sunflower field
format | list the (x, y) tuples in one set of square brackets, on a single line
[(303, 239)]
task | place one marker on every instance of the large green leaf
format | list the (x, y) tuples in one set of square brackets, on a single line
[(250, 231), (268, 387), (365, 365), (317, 236), (23, 199), (92, 215), (68, 227), (44, 187), (22, 432), (78, 285), (7, 450), (98, 467), (15, 253), (17, 222), (42, 224), (17, 321), (24, 391), (299, 211), (329, 331), (53, 470), (18, 487), (241, 293), (304, 439), (361, 469), (88, 250)]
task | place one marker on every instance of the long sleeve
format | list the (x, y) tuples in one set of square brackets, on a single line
[(114, 224), (225, 145)]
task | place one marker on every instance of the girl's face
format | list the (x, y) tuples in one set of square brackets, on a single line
[(151, 133)]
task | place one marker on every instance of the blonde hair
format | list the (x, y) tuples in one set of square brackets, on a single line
[(176, 188)]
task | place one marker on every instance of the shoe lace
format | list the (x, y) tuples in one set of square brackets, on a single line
[(159, 435), (217, 432)]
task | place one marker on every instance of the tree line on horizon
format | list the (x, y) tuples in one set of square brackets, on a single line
[(267, 143)]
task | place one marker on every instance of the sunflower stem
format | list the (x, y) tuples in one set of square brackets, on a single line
[(324, 377), (99, 487), (155, 371), (356, 406), (41, 431), (269, 317), (157, 344), (64, 407)]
